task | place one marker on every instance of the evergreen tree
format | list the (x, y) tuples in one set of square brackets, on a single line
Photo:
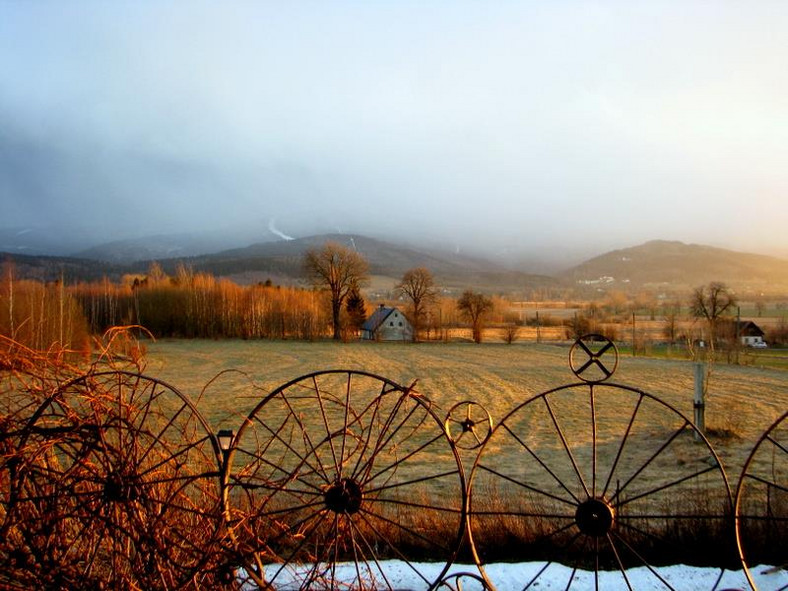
[(356, 309)]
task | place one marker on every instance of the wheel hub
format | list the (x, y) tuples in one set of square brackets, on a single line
[(121, 488), (595, 517), (344, 496)]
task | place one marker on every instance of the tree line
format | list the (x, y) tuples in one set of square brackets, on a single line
[(187, 304), (192, 304)]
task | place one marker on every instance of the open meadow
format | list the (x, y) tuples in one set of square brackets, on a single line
[(228, 378), (557, 445)]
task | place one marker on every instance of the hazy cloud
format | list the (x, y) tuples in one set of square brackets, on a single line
[(515, 125)]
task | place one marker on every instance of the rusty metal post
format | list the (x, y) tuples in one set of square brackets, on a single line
[(699, 402)]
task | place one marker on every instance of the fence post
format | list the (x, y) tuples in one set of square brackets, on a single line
[(699, 402)]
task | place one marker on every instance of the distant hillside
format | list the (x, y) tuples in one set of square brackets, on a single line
[(51, 268), (673, 266), (166, 246), (284, 259), (656, 266)]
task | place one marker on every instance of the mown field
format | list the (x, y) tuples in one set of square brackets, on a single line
[(228, 378)]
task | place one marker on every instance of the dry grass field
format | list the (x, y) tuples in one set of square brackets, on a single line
[(554, 446), (228, 378)]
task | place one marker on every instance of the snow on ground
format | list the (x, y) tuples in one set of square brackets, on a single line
[(513, 577)]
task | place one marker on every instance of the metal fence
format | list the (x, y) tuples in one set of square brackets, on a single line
[(115, 480)]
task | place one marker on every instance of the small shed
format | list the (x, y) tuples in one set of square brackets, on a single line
[(387, 324), (751, 334)]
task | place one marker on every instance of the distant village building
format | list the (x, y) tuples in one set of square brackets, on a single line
[(750, 334), (387, 324)]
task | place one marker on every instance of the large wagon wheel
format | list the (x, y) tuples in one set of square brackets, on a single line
[(762, 502), (589, 480), (118, 486), (17, 405), (337, 471)]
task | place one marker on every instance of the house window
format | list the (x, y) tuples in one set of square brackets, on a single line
[(391, 324), (400, 324)]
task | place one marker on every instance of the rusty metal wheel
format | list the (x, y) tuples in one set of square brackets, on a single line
[(468, 424), (17, 405), (588, 481), (118, 486), (762, 502), (336, 472)]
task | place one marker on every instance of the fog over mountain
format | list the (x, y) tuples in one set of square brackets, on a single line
[(522, 131)]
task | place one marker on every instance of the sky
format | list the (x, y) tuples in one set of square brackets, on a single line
[(508, 125)]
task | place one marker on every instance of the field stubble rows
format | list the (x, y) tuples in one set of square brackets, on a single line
[(228, 378)]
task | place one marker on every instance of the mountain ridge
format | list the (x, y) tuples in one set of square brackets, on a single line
[(656, 265), (681, 266)]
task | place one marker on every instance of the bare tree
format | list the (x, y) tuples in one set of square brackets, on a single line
[(474, 306), (418, 286), (711, 303), (509, 333), (337, 270), (671, 312)]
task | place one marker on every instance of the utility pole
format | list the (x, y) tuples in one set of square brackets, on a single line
[(736, 334)]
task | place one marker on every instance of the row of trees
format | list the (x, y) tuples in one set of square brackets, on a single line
[(41, 316), (189, 304), (340, 272)]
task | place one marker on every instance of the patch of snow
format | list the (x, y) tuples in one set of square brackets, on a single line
[(399, 575), (604, 279), (274, 230)]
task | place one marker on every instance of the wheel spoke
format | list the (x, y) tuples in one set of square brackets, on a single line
[(657, 489), (375, 404), (769, 483), (648, 462), (251, 469), (185, 451), (414, 505), (537, 575), (620, 564), (623, 443), (593, 439), (301, 544), (380, 443), (305, 433), (404, 459), (541, 463), (385, 539), (320, 470), (572, 503), (560, 433), (645, 563), (404, 528), (345, 426), (337, 464), (357, 547), (776, 443)]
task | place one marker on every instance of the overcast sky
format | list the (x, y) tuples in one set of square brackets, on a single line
[(513, 123)]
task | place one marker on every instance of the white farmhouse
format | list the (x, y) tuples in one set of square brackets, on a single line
[(387, 324), (751, 334)]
